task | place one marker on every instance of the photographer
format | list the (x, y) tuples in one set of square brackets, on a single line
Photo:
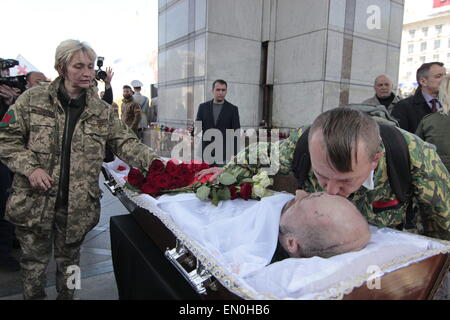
[(8, 95)]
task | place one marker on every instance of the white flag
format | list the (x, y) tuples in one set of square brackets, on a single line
[(23, 68)]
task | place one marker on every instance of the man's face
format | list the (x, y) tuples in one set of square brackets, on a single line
[(432, 82), (80, 71), (127, 93), (219, 92), (35, 78), (333, 181), (383, 87)]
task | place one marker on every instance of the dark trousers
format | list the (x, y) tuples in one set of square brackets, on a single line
[(6, 228)]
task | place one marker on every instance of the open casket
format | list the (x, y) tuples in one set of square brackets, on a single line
[(224, 253)]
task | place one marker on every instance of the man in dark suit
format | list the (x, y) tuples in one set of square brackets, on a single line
[(221, 115), (411, 110)]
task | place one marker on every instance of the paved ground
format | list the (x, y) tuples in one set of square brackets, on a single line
[(97, 277)]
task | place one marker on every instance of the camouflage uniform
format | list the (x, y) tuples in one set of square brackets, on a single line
[(430, 181), (131, 114), (31, 138)]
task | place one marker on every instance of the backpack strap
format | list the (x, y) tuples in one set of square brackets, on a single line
[(301, 163), (397, 161)]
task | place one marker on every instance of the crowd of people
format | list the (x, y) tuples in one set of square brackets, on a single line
[(55, 136)]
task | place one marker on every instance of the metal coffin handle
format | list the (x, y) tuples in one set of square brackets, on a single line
[(198, 277)]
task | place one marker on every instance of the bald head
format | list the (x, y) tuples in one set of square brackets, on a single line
[(323, 225)]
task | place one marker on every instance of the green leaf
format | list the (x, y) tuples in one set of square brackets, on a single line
[(227, 179), (203, 193), (215, 197), (224, 194), (247, 180)]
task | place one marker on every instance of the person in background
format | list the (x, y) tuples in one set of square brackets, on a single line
[(410, 111), (143, 102), (131, 111), (435, 127), (384, 94)]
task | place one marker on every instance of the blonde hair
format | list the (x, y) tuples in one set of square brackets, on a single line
[(444, 94), (67, 49)]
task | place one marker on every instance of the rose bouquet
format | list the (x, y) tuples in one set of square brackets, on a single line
[(179, 177)]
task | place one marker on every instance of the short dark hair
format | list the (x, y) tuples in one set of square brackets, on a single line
[(29, 74), (342, 129), (126, 87), (221, 82), (423, 70)]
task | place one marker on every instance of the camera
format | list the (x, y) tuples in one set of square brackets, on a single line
[(19, 82), (8, 63), (99, 73)]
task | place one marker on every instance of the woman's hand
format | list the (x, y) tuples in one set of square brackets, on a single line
[(39, 179), (216, 171)]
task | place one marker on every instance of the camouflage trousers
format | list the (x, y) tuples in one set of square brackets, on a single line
[(36, 253)]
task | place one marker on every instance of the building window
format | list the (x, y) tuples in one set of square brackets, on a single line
[(438, 28), (410, 48), (435, 57), (408, 75), (409, 60), (412, 32), (448, 43), (425, 31), (423, 46), (448, 57), (422, 59), (437, 44)]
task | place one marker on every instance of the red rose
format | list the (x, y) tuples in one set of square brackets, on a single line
[(156, 166), (233, 192), (150, 188), (173, 168), (246, 190), (160, 180), (135, 177)]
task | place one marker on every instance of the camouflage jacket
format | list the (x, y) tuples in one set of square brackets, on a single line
[(31, 138), (131, 113), (430, 181)]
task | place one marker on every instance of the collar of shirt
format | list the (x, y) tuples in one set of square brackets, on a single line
[(428, 99), (369, 184)]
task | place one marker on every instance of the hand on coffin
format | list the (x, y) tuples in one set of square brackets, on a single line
[(216, 171)]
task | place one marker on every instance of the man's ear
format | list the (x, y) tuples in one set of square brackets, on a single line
[(292, 246), (377, 158)]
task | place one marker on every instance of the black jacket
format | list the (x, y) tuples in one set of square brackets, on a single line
[(410, 111), (228, 119)]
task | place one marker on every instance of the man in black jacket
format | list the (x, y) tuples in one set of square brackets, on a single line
[(221, 115), (411, 110)]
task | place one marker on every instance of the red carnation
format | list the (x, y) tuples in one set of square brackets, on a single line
[(150, 188), (233, 192), (156, 165), (135, 177), (246, 190)]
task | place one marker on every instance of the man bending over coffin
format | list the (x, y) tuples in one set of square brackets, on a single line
[(319, 224)]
